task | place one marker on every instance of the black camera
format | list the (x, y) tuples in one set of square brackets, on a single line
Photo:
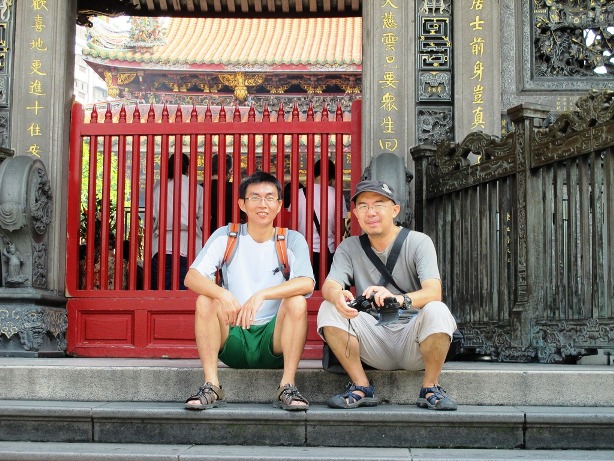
[(387, 313)]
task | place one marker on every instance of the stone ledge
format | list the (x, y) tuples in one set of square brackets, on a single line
[(396, 426), (470, 383)]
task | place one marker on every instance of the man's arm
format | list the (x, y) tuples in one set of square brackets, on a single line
[(298, 286), (204, 286), (430, 291), (334, 293)]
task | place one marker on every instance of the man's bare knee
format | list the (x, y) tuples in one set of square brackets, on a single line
[(295, 306)]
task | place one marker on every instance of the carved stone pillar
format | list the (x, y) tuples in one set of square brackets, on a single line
[(32, 319), (421, 155), (525, 118)]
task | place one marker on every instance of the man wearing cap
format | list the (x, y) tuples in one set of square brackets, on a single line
[(353, 336)]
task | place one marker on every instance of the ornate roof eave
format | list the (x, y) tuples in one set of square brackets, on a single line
[(135, 66), (204, 68)]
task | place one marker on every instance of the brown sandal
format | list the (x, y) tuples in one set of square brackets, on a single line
[(287, 394), (208, 396)]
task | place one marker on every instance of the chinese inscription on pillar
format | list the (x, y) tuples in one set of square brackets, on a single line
[(36, 107), (477, 52), (478, 68), (6, 47), (389, 80)]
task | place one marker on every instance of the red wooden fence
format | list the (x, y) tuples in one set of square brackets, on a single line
[(114, 165)]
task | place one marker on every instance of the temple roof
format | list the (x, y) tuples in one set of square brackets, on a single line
[(206, 44)]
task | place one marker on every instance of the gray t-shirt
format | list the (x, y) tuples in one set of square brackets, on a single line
[(417, 262)]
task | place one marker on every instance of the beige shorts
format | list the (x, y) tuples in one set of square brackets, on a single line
[(391, 347)]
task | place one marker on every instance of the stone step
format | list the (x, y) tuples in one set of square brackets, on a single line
[(160, 380), (28, 451), (384, 426)]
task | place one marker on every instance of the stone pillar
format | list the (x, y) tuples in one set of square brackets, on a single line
[(477, 67), (388, 79), (33, 243), (42, 96)]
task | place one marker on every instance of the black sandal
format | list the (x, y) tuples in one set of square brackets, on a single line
[(351, 400), (287, 394), (438, 400), (208, 396)]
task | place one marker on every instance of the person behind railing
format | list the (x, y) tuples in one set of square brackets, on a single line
[(258, 318), (96, 264), (314, 218), (183, 225), (421, 343), (213, 193)]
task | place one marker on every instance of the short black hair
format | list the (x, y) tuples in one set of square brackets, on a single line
[(317, 169), (185, 164), (215, 161), (259, 177)]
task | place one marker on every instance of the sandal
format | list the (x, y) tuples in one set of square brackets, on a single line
[(208, 396), (287, 394), (351, 400), (438, 400)]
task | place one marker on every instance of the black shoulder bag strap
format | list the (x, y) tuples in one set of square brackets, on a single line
[(316, 221), (386, 270)]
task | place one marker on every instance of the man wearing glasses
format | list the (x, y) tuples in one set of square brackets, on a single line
[(422, 342), (257, 319)]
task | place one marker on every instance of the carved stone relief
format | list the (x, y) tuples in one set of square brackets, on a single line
[(434, 123), (31, 323), (572, 38), (34, 326), (520, 82)]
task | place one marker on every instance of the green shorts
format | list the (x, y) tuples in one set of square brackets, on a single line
[(251, 348)]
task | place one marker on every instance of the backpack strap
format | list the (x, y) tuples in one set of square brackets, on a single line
[(231, 247), (281, 247), (231, 243), (282, 250)]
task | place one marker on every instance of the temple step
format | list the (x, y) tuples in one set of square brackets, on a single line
[(159, 380), (138, 452), (62, 404)]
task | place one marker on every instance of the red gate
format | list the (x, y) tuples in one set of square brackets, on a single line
[(112, 310)]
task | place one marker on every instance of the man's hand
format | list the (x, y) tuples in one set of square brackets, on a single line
[(341, 303), (230, 307), (247, 312), (379, 294)]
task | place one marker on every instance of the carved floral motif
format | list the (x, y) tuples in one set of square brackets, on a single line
[(573, 38)]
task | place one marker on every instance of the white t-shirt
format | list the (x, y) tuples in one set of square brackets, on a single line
[(185, 204), (254, 266), (332, 217)]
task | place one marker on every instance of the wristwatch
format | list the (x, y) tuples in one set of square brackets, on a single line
[(406, 302)]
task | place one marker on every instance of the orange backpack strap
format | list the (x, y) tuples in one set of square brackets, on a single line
[(282, 250), (231, 246), (231, 243)]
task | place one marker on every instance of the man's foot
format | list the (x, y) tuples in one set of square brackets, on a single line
[(289, 398), (350, 399), (208, 396), (435, 398)]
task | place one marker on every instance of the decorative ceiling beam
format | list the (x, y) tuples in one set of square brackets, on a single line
[(218, 8)]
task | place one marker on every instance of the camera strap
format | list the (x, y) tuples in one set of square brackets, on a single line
[(386, 270)]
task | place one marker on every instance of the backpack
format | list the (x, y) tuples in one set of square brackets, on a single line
[(280, 246)]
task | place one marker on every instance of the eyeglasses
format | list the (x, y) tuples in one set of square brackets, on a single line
[(363, 207), (257, 200)]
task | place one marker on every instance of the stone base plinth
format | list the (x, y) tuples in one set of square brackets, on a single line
[(33, 323)]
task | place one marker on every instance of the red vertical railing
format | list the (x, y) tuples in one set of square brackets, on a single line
[(128, 156)]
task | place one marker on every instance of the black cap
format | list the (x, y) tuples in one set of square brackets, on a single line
[(379, 187)]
